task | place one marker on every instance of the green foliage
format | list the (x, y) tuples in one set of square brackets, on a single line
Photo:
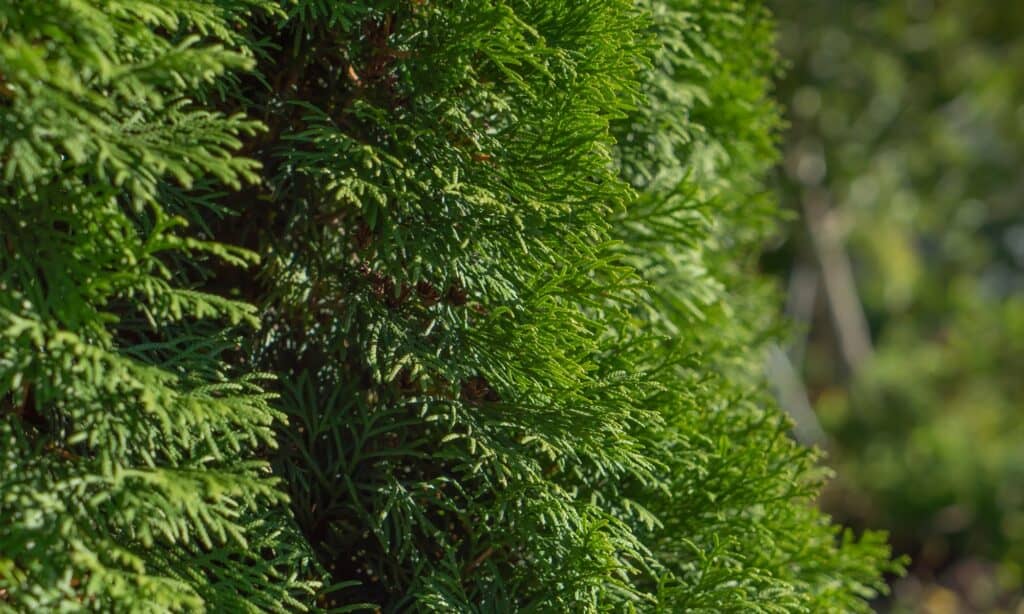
[(129, 473), (909, 115), (481, 290)]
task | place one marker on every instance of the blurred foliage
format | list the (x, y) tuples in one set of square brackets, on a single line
[(909, 117)]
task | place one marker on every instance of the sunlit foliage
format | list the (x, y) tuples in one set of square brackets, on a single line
[(419, 306)]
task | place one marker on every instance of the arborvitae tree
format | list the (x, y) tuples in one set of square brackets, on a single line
[(487, 267)]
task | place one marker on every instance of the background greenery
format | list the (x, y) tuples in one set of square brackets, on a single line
[(906, 151)]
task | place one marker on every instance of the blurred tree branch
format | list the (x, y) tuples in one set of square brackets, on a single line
[(837, 276)]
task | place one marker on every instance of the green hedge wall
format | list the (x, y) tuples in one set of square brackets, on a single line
[(429, 305)]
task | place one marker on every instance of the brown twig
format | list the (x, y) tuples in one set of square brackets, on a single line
[(479, 560)]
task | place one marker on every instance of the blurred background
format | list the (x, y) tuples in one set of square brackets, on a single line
[(904, 262)]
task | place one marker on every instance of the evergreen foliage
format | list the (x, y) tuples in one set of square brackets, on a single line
[(475, 278), (130, 470)]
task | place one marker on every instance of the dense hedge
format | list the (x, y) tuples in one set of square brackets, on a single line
[(422, 305)]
